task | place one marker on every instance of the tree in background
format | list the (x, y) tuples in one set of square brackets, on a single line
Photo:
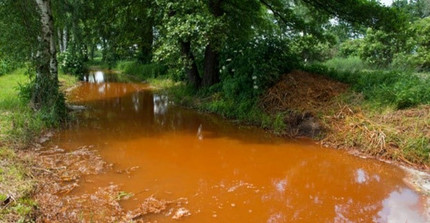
[(29, 35), (206, 40)]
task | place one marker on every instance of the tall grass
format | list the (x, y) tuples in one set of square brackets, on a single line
[(353, 63), (18, 122), (398, 88)]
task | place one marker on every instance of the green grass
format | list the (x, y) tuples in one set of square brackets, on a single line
[(346, 64), (17, 121), (19, 124), (403, 96), (67, 81), (383, 88), (15, 182)]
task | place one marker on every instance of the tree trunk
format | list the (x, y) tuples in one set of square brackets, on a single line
[(211, 60), (65, 39), (147, 38), (211, 75), (48, 51), (192, 71), (45, 90), (60, 40), (92, 50)]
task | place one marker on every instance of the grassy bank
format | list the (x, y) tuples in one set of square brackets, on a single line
[(19, 125), (386, 113)]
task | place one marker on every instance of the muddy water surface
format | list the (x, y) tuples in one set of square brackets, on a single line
[(221, 171)]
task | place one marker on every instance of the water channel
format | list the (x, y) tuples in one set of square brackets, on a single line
[(227, 172)]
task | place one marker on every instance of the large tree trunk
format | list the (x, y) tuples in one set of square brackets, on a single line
[(192, 71), (211, 60), (48, 51), (147, 38), (211, 75), (45, 90)]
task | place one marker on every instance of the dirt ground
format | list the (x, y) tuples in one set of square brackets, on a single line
[(59, 172)]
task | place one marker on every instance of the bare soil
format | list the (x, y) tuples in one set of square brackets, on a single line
[(59, 172)]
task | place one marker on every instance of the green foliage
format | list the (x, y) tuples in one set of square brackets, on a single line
[(350, 48), (416, 55), (18, 122), (352, 63), (20, 25), (421, 55), (50, 101), (71, 63), (400, 89), (247, 69), (6, 66), (311, 48), (378, 47), (144, 71)]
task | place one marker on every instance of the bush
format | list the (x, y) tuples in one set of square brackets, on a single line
[(350, 48), (248, 69), (378, 47), (6, 66), (44, 95), (71, 63)]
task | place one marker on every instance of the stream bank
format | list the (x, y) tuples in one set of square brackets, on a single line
[(310, 105), (20, 130)]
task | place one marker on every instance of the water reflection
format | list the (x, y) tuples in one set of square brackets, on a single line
[(400, 206), (94, 77), (160, 104), (229, 174), (361, 176)]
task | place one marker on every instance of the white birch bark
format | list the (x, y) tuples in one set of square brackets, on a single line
[(65, 39), (49, 50)]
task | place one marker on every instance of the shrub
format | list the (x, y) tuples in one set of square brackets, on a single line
[(350, 48), (378, 47), (71, 63), (50, 101), (249, 68), (6, 66)]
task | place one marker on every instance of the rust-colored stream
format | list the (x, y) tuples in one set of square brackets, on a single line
[(226, 172)]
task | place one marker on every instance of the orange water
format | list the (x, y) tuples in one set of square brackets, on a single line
[(228, 173)]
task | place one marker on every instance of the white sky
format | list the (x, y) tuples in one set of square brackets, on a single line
[(386, 2)]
